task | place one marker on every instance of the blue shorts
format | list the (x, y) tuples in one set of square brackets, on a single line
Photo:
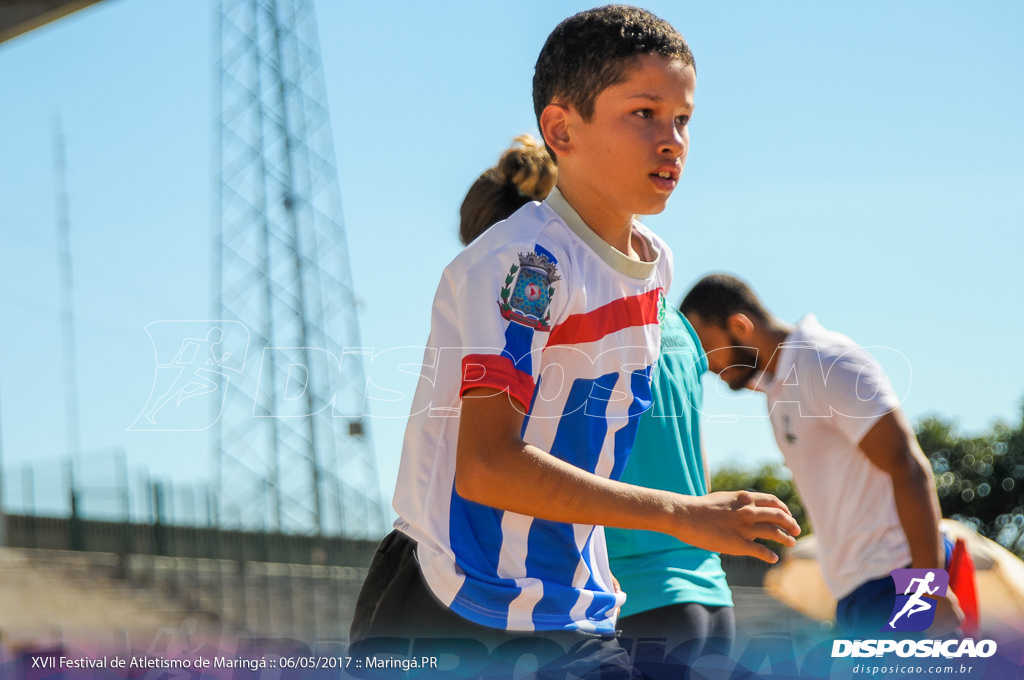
[(866, 610)]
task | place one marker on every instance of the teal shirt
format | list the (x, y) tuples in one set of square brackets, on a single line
[(654, 569)]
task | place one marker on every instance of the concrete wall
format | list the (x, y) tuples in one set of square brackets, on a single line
[(61, 533)]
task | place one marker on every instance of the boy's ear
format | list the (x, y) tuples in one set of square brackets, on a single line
[(554, 126)]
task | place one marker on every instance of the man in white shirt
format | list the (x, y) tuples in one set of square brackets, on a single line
[(867, 486)]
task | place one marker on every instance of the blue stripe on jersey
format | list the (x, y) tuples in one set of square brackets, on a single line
[(475, 532), (533, 400), (553, 558), (518, 346), (582, 429), (552, 550), (552, 553), (602, 601), (640, 383), (541, 250)]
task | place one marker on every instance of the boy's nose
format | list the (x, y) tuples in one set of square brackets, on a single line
[(674, 143)]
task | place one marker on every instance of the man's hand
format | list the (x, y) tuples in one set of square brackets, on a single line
[(948, 616), (730, 521)]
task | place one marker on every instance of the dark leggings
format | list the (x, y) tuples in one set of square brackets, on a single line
[(669, 639)]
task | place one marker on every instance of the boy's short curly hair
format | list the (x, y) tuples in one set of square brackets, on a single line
[(592, 50)]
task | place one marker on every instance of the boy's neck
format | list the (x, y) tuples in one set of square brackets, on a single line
[(615, 230)]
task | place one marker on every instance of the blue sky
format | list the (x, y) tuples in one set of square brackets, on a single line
[(862, 161)]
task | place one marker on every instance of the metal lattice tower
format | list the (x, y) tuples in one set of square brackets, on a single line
[(281, 267)]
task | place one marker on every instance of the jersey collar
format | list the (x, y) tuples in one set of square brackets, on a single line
[(619, 261)]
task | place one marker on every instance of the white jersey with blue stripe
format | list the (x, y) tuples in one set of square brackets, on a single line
[(539, 306)]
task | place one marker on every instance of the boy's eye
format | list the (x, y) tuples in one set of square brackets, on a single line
[(682, 120), (643, 113)]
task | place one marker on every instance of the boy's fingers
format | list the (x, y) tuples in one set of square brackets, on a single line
[(782, 520), (766, 500), (771, 532), (762, 553), (774, 533), (779, 513)]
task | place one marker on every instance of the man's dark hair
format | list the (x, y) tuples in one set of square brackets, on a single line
[(592, 50), (718, 296)]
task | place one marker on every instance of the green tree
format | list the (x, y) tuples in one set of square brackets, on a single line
[(980, 479)]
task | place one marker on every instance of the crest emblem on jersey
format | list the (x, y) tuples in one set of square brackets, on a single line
[(526, 295)]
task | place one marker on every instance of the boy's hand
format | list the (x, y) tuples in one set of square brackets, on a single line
[(729, 521), (495, 467)]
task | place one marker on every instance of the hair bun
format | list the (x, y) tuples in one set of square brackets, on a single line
[(524, 173), (528, 166)]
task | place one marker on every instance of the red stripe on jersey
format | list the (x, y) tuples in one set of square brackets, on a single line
[(497, 371), (636, 310)]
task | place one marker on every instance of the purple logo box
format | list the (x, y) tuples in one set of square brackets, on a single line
[(914, 609)]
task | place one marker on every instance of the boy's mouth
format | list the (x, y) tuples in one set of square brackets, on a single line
[(665, 179)]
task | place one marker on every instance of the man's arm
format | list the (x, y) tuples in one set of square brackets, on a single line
[(891, 446), (495, 467)]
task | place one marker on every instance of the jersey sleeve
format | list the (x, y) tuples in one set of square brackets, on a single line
[(854, 393), (507, 303)]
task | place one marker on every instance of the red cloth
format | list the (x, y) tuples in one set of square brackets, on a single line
[(497, 371), (963, 584)]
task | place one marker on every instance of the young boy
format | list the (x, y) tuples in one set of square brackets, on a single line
[(552, 319)]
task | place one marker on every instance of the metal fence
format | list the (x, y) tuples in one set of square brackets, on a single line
[(102, 487)]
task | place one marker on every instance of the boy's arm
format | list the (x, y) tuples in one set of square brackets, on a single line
[(891, 446), (707, 471), (495, 467)]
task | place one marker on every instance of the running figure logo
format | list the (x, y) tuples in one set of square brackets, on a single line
[(193, 359), (915, 609)]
